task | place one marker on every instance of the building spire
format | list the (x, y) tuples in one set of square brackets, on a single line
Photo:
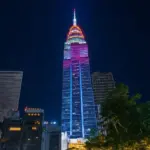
[(74, 18)]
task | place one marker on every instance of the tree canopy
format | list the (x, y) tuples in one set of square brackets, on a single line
[(123, 122)]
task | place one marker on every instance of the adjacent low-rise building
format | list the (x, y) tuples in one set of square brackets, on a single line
[(51, 136), (25, 133), (32, 129), (12, 131)]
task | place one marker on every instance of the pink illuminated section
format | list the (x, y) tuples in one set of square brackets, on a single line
[(82, 60), (78, 52), (66, 63), (76, 49)]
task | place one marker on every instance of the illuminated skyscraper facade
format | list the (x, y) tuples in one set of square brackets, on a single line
[(78, 109)]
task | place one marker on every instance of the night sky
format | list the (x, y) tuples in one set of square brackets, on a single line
[(32, 36)]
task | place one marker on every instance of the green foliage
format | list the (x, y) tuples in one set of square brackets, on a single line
[(124, 120)]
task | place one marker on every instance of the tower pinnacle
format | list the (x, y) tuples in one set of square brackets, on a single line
[(74, 18)]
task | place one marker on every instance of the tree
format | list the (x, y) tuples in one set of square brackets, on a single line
[(125, 121), (96, 141), (73, 148), (117, 114)]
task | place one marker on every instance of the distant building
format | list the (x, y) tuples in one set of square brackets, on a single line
[(10, 87), (51, 137), (103, 82), (32, 129)]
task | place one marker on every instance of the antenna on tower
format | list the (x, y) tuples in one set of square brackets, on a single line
[(74, 18)]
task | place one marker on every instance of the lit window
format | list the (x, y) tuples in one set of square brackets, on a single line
[(14, 129), (34, 128)]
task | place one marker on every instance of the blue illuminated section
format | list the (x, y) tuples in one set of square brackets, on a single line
[(78, 108), (53, 123), (89, 113), (82, 118), (76, 100), (66, 93), (70, 100)]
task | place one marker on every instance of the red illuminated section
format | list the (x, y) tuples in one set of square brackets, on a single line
[(75, 32)]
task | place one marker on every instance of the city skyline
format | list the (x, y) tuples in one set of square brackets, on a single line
[(78, 108), (32, 37)]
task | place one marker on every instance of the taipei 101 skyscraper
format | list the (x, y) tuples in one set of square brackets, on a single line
[(78, 108)]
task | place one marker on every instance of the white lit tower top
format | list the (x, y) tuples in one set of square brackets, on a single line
[(74, 18), (75, 34)]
